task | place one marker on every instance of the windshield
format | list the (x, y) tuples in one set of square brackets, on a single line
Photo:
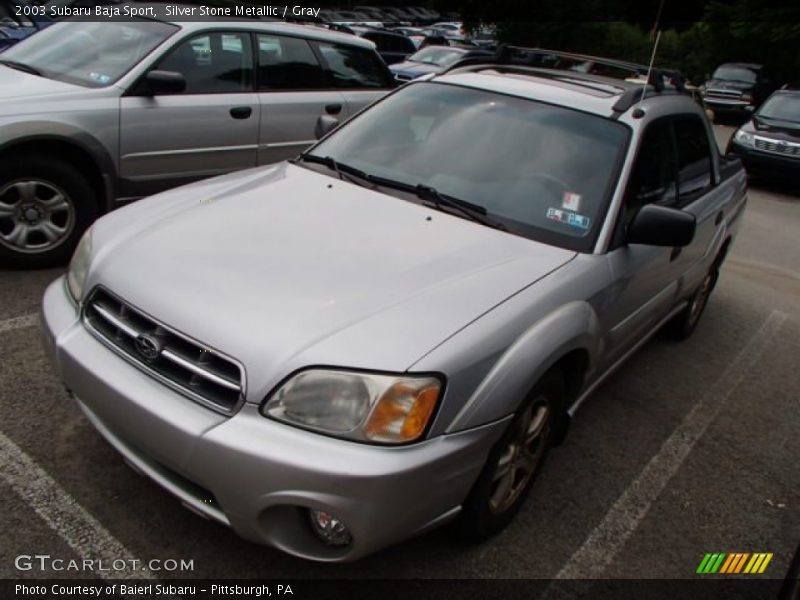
[(89, 54), (544, 172), (441, 56), (784, 107), (735, 74)]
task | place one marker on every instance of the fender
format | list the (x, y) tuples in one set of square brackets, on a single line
[(573, 326), (54, 131)]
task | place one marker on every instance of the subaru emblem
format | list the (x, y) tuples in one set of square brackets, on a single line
[(148, 346)]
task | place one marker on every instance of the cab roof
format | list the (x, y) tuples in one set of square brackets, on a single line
[(604, 96)]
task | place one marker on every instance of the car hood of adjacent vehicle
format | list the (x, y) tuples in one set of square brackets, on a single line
[(728, 84), (285, 267), (414, 69), (774, 128)]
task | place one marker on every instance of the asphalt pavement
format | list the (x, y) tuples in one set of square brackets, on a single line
[(690, 448)]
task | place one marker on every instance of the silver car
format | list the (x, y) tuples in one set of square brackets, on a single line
[(96, 114), (341, 351)]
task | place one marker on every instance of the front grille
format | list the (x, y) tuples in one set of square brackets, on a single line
[(724, 94), (186, 365), (778, 147)]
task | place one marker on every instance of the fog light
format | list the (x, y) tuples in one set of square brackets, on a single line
[(329, 529)]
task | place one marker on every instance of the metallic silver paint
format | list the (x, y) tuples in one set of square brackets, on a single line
[(162, 141), (314, 271)]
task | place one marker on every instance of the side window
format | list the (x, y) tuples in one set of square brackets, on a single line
[(652, 180), (286, 63), (694, 159), (353, 67), (213, 63)]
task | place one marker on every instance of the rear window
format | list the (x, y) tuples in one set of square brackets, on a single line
[(354, 68)]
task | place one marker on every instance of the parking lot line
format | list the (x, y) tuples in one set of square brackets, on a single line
[(80, 530), (608, 538), (29, 320)]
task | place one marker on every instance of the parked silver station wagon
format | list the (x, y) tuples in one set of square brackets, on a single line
[(386, 334), (96, 114)]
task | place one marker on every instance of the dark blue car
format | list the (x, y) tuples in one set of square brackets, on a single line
[(15, 27)]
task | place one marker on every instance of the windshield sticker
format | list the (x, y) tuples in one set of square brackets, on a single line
[(99, 77), (571, 201), (579, 221), (556, 214), (568, 218)]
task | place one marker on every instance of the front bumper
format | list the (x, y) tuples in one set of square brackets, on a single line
[(729, 107), (258, 475), (766, 164)]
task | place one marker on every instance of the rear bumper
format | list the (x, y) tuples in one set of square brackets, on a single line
[(254, 474)]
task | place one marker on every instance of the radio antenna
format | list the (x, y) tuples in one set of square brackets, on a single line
[(650, 66)]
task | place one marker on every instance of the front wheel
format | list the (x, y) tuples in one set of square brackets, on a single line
[(513, 463), (45, 206)]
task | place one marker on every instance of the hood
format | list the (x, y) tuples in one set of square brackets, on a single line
[(16, 85), (285, 267), (727, 84), (414, 69), (776, 128)]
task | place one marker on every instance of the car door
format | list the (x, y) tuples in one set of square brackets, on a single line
[(209, 128), (293, 90), (646, 277), (699, 194), (359, 73)]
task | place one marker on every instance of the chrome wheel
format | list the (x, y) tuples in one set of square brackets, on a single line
[(35, 215), (521, 457)]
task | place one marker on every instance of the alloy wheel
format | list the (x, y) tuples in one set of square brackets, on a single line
[(521, 457), (700, 298), (35, 215)]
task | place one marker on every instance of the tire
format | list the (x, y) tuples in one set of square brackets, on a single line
[(682, 325), (45, 206), (487, 510)]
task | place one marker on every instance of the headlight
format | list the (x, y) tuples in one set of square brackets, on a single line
[(747, 97), (79, 266), (391, 409), (744, 138)]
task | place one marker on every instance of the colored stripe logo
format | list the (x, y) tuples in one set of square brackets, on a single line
[(734, 562)]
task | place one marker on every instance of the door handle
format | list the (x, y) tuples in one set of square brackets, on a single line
[(241, 112), (719, 217), (333, 109)]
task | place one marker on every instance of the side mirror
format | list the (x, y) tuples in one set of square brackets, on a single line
[(656, 225), (165, 82), (325, 124)]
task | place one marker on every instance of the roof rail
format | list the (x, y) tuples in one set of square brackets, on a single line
[(630, 97)]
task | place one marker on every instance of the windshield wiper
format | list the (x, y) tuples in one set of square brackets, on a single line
[(476, 212), (472, 211), (12, 64), (338, 168)]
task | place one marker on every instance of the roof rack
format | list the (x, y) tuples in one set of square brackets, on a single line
[(540, 58)]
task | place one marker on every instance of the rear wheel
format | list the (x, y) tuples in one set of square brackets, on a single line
[(685, 322), (514, 462), (45, 206)]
